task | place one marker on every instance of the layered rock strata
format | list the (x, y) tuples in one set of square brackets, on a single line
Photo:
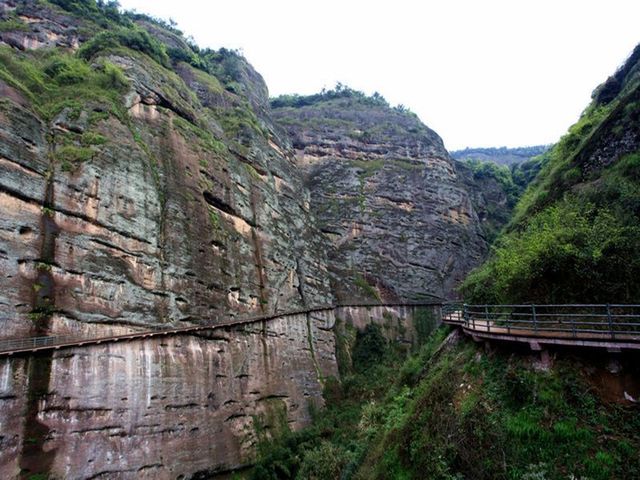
[(387, 195)]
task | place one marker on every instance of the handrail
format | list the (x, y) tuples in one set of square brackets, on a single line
[(580, 323), (9, 346)]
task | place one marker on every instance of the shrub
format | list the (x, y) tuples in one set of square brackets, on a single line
[(66, 70), (12, 24), (101, 12), (370, 348), (324, 462), (580, 249), (113, 78), (134, 38), (70, 154)]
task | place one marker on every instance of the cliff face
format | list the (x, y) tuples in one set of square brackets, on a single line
[(143, 183), (385, 192), (491, 199), (137, 190), (143, 193), (162, 408)]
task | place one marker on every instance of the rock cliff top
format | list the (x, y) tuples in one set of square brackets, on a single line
[(386, 194)]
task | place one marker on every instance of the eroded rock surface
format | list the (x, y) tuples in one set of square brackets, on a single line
[(179, 406), (386, 193), (165, 407)]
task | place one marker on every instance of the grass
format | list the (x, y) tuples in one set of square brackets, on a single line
[(13, 24), (240, 121), (55, 80), (368, 289), (367, 168), (205, 139), (132, 37)]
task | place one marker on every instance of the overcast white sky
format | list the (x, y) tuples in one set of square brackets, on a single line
[(480, 73)]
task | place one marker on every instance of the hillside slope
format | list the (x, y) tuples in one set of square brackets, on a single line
[(455, 411), (575, 233), (385, 192)]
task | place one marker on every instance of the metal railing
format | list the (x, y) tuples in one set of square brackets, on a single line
[(32, 344), (577, 321)]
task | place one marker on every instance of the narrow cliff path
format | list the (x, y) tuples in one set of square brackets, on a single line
[(14, 346)]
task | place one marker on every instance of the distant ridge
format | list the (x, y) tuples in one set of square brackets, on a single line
[(500, 155)]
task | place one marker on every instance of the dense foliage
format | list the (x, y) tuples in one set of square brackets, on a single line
[(339, 91), (103, 13), (502, 174), (127, 29), (130, 37), (496, 189), (452, 412)]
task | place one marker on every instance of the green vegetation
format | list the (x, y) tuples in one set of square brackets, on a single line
[(12, 24), (368, 289), (559, 248), (581, 248), (451, 411), (501, 174), (64, 86), (425, 322), (214, 219), (367, 168), (500, 155), (493, 182), (205, 138), (337, 441), (339, 91), (241, 122), (131, 37), (575, 232), (344, 115), (54, 81), (554, 179), (70, 156), (211, 82), (103, 13)]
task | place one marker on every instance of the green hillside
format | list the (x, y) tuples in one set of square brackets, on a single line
[(575, 232)]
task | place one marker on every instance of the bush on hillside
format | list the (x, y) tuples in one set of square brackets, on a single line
[(132, 37)]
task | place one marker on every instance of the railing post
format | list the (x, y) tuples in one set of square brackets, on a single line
[(535, 319), (465, 315), (613, 335), (486, 318)]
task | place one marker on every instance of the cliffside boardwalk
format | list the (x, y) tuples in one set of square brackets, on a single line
[(611, 326)]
